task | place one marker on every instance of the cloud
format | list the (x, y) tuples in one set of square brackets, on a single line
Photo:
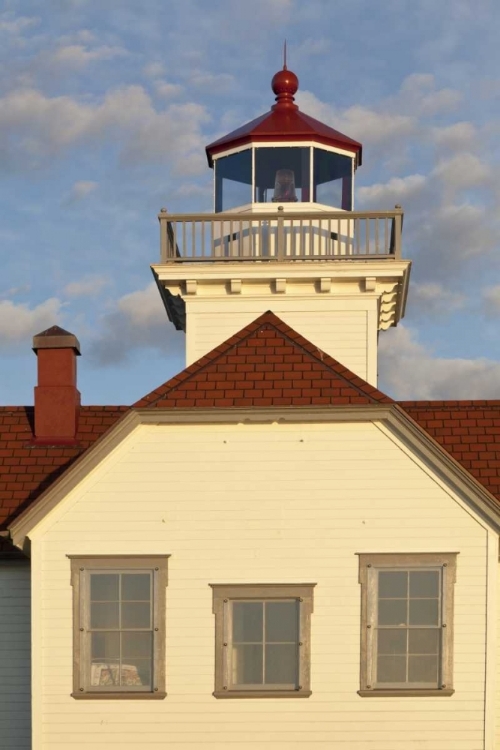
[(461, 172), (461, 136), (432, 299), (80, 190), (167, 90), (212, 82), (19, 322), (77, 56), (16, 26), (89, 286), (409, 371), (154, 70), (396, 190), (491, 300), (137, 322), (34, 128)]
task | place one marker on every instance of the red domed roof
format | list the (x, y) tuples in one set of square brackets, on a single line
[(284, 122)]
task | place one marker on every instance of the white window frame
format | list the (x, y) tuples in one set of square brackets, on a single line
[(224, 595), (369, 567), (82, 566)]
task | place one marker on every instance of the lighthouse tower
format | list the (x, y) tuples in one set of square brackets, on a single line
[(284, 236)]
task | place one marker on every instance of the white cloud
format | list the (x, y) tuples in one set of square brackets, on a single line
[(409, 371), (35, 128), (88, 286), (491, 300), (19, 322), (434, 299), (16, 26), (138, 321), (212, 82), (462, 171), (80, 190), (77, 56), (396, 190), (167, 90), (154, 70), (461, 136)]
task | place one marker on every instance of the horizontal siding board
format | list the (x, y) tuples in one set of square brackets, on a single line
[(264, 507)]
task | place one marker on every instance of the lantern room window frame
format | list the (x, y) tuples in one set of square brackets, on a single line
[(311, 145)]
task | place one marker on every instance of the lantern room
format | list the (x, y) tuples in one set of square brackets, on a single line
[(284, 157)]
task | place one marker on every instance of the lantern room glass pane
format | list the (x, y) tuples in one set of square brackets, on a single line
[(233, 180), (282, 175), (332, 179)]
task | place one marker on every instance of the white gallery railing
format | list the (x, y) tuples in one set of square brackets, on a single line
[(280, 236)]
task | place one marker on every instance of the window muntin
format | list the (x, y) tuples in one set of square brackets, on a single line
[(332, 179), (119, 626), (262, 640), (407, 623), (233, 180)]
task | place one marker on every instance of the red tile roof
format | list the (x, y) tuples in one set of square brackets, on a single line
[(26, 470), (265, 364), (469, 430)]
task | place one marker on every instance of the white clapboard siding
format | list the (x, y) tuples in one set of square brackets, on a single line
[(15, 656), (344, 335), (261, 503)]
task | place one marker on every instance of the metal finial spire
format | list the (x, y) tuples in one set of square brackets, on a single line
[(284, 56)]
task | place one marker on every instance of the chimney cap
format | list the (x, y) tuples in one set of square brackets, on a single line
[(56, 338)]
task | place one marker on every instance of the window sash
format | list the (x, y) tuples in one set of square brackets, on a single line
[(370, 567), (230, 656), (224, 597), (82, 569)]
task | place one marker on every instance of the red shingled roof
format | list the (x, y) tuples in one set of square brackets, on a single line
[(26, 470), (265, 364), (469, 430)]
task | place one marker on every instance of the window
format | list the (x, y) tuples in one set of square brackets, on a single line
[(119, 626), (407, 624), (262, 640)]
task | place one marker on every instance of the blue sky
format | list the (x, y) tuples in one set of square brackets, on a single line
[(105, 110)]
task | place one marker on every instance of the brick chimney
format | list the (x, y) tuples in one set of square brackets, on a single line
[(57, 400)]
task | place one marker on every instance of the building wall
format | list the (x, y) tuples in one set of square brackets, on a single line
[(260, 503), (346, 330), (15, 655)]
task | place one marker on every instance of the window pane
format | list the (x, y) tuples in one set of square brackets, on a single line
[(136, 673), (137, 646), (281, 664), (424, 612), (333, 179), (136, 586), (105, 674), (136, 615), (392, 641), (247, 665), (247, 622), (393, 584), (423, 669), (391, 669), (233, 180), (104, 615), (282, 174), (392, 612), (104, 587), (424, 583), (281, 621), (424, 641), (105, 646)]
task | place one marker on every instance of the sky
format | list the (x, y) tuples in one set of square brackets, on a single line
[(105, 111)]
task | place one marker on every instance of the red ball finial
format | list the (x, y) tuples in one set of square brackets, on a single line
[(285, 84)]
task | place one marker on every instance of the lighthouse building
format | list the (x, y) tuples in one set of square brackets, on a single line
[(266, 550)]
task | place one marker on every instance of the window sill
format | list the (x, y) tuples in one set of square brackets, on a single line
[(424, 693), (119, 696), (262, 693)]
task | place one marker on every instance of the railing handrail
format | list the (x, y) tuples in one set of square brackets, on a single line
[(263, 216)]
